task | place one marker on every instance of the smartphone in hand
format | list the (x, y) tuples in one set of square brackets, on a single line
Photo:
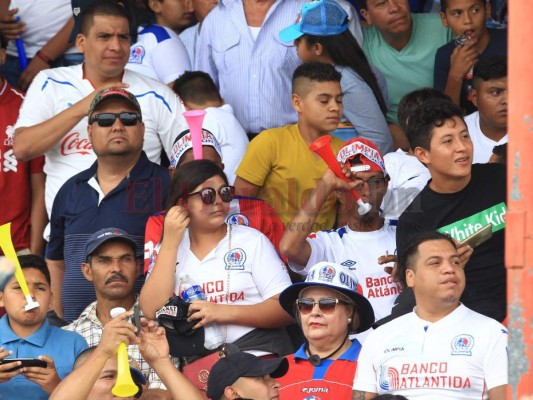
[(479, 237), (26, 362)]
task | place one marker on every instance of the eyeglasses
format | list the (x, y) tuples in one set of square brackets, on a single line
[(208, 194), (326, 304), (374, 182), (108, 119)]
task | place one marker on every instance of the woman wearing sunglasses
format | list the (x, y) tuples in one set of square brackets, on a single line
[(328, 309), (236, 266)]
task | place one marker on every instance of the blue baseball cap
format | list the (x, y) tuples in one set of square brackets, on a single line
[(317, 18), (103, 235)]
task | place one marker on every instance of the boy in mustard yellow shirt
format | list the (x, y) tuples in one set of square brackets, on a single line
[(278, 166)]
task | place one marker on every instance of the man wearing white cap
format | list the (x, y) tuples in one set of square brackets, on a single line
[(363, 239)]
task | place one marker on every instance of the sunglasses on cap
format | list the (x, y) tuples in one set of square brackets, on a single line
[(326, 304), (208, 194), (108, 119)]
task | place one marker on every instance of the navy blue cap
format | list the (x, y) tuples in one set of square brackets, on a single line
[(317, 18), (103, 235), (137, 376)]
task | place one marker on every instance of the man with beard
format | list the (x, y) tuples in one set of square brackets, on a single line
[(112, 267), (363, 239), (122, 189)]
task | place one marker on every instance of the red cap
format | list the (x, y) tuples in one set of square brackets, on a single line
[(370, 156)]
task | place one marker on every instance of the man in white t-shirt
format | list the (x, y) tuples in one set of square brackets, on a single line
[(441, 350), (363, 239), (53, 117), (488, 125)]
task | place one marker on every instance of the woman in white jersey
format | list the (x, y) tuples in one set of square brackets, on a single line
[(237, 267)]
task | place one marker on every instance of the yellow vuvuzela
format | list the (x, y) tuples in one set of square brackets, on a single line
[(124, 386), (6, 243)]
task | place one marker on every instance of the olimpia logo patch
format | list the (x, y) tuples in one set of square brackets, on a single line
[(466, 227)]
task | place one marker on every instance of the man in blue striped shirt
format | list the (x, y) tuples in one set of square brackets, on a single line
[(239, 47)]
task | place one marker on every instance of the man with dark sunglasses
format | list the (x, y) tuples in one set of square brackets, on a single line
[(122, 189), (363, 239)]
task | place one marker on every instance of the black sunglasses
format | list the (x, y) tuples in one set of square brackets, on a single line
[(208, 194), (326, 304), (106, 120)]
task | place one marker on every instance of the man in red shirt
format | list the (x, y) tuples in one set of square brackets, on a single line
[(21, 183)]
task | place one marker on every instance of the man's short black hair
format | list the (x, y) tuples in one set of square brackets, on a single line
[(432, 114), (490, 68), (106, 8), (411, 101), (36, 262), (501, 152), (197, 87), (363, 4), (408, 255), (314, 71), (444, 4)]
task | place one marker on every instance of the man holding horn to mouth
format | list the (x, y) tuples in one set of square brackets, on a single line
[(96, 373), (25, 333), (112, 267)]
